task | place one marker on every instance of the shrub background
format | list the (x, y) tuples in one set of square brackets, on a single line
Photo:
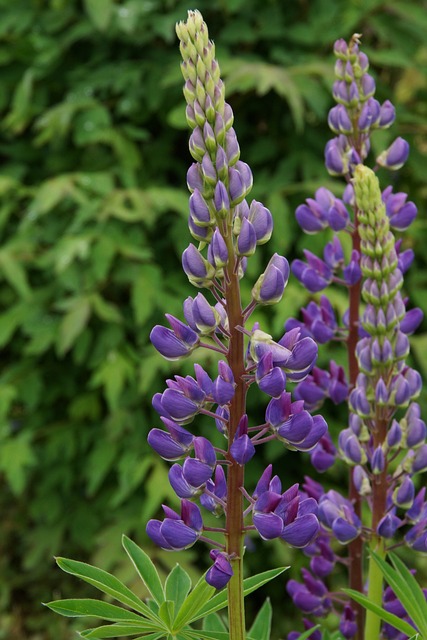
[(93, 208)]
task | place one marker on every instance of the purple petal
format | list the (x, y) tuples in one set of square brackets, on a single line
[(301, 531)]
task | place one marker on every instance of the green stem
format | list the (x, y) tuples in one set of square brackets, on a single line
[(375, 589)]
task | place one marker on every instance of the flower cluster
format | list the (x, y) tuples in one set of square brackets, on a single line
[(385, 441), (228, 228)]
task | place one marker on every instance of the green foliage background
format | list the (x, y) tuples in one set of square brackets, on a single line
[(93, 208)]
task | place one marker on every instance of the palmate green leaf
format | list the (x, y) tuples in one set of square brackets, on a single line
[(82, 607), (207, 635), (118, 630), (194, 603), (167, 613), (213, 622), (145, 569), (395, 621), (106, 583), (177, 586), (261, 627), (406, 589), (219, 601)]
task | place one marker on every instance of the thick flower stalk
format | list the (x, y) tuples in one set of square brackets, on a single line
[(379, 385), (384, 386), (228, 228)]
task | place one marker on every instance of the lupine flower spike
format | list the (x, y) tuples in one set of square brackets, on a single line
[(227, 229), (384, 419)]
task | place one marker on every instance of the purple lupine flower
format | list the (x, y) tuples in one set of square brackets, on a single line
[(177, 532), (403, 495), (242, 448), (173, 445), (217, 488), (286, 516), (321, 384), (400, 212), (314, 274), (181, 401), (319, 321), (246, 239), (387, 115), (311, 596), (393, 605), (260, 219), (337, 515), (174, 343), (221, 572), (269, 287), (293, 424), (323, 559), (395, 156), (324, 454), (348, 626), (293, 354), (352, 272), (411, 321), (270, 379), (223, 386), (388, 525), (325, 210)]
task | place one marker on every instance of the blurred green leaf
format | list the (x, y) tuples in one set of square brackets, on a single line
[(73, 323), (100, 12), (16, 459)]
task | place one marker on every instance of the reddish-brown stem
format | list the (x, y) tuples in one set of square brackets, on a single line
[(355, 548), (379, 484), (235, 474)]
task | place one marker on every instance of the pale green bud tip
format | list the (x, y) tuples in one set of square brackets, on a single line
[(194, 25), (367, 191)]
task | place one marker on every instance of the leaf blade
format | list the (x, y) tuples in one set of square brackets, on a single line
[(82, 607), (145, 568), (105, 582), (395, 621)]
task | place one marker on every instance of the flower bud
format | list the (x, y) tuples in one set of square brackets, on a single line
[(388, 525), (403, 495), (199, 271), (361, 481), (246, 241), (174, 343), (269, 287), (395, 156), (262, 221), (199, 210), (221, 572), (221, 200), (387, 115)]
